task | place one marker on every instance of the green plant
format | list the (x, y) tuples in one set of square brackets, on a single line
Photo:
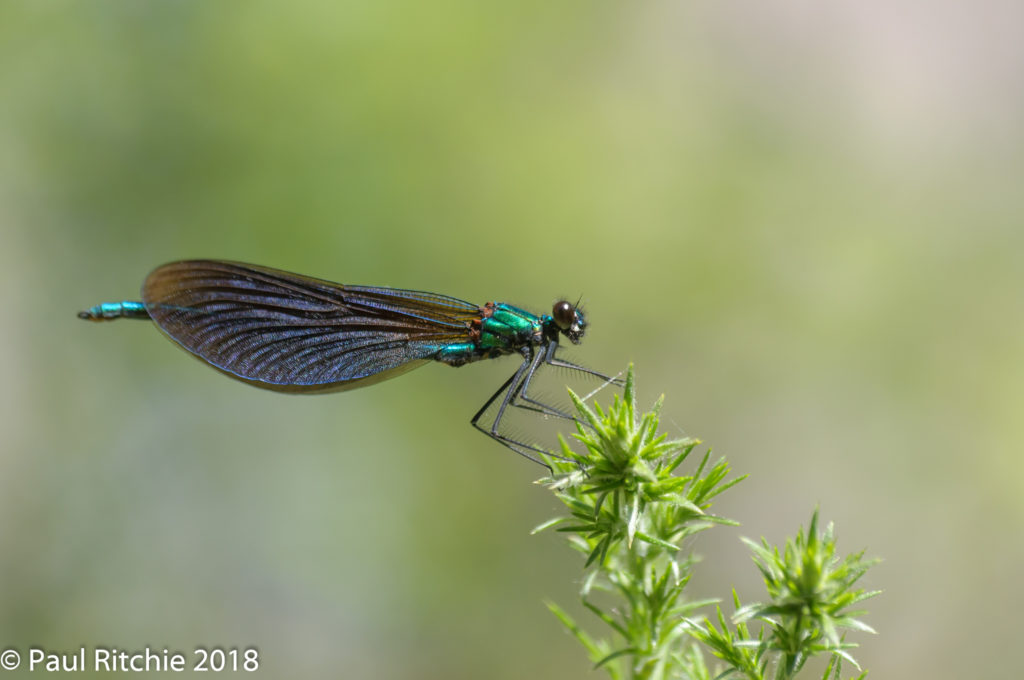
[(630, 514)]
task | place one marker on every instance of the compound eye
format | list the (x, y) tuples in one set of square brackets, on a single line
[(564, 314)]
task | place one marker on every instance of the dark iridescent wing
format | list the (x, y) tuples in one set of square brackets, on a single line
[(294, 333)]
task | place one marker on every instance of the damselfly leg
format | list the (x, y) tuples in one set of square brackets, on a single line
[(515, 392)]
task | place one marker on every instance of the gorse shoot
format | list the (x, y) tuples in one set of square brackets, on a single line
[(630, 513)]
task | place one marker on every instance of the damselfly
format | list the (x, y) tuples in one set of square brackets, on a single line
[(293, 333)]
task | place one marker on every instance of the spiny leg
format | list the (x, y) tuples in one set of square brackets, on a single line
[(519, 395), (509, 389), (551, 360), (540, 407), (515, 393)]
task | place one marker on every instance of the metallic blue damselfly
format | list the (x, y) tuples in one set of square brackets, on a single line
[(292, 333)]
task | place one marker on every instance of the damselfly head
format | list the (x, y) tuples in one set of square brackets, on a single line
[(569, 320)]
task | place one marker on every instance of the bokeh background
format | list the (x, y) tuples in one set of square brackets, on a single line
[(802, 222)]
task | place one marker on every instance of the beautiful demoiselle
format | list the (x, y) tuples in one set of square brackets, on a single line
[(293, 333)]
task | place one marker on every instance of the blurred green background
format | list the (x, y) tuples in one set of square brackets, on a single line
[(801, 222)]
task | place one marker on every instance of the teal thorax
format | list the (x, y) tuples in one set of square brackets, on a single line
[(504, 329)]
